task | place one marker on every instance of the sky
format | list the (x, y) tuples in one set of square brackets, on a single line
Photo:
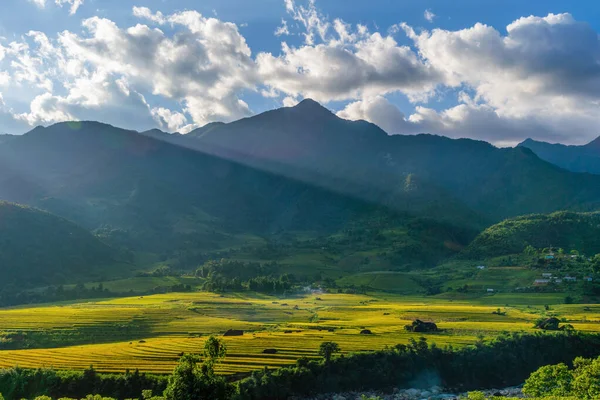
[(494, 70)]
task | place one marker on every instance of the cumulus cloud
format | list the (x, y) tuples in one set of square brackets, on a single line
[(203, 65), (543, 69), (379, 111), (172, 120), (539, 77), (342, 62), (465, 120)]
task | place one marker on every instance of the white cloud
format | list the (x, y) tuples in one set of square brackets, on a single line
[(172, 120), (74, 4), (540, 77), (290, 101), (342, 62), (39, 3), (429, 15), (203, 64), (379, 111), (546, 69), (282, 29), (465, 120), (4, 78)]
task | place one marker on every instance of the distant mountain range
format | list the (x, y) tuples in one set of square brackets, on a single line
[(585, 158), (288, 170)]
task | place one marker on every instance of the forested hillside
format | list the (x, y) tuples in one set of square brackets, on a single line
[(38, 248), (567, 230)]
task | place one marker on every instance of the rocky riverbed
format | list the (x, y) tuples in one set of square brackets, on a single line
[(433, 393)]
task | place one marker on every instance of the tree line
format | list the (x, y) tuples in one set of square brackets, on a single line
[(505, 361)]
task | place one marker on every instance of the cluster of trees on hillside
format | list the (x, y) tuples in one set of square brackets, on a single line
[(12, 295), (565, 229), (232, 275), (505, 361)]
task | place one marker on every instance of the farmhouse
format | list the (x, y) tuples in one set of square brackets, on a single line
[(539, 282), (550, 257), (490, 290), (481, 267), (588, 279), (547, 275), (570, 278)]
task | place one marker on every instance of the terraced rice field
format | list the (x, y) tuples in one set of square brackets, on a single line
[(151, 332)]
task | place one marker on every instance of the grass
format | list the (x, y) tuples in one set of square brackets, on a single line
[(150, 332)]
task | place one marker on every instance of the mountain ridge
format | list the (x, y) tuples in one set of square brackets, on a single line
[(576, 158)]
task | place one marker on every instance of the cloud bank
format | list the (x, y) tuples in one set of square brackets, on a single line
[(539, 77)]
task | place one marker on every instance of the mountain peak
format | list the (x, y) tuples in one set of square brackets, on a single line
[(309, 105)]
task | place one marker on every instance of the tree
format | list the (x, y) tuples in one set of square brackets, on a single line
[(191, 381), (214, 349), (327, 349), (549, 380), (586, 383)]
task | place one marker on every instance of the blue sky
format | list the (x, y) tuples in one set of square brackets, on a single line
[(178, 64)]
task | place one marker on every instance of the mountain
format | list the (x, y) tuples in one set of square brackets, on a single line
[(38, 248), (160, 194), (292, 171), (585, 158), (310, 143), (567, 230), (5, 137)]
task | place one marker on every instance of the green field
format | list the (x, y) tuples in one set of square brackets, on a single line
[(150, 332)]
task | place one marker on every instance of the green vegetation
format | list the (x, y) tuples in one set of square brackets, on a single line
[(38, 249), (567, 230), (328, 349), (490, 364), (305, 255), (582, 382), (150, 332), (483, 365)]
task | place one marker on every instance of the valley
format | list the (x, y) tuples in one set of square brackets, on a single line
[(280, 233)]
